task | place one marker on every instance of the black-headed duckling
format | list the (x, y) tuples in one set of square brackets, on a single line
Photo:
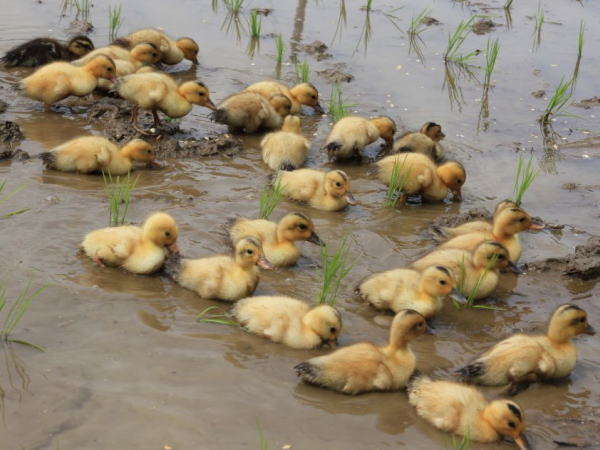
[(249, 112), (40, 51), (286, 149), (352, 134), (301, 94), (172, 52)]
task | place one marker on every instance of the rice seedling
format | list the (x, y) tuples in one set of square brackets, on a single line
[(303, 72), (398, 180), (114, 21), (368, 6), (335, 267), (270, 197), (470, 299), (366, 33), (338, 109), (559, 100), (234, 6), (580, 42), (342, 21), (415, 28), (83, 9), (537, 30), (4, 197), (464, 443), (232, 20), (280, 46), (455, 42), (205, 316), (508, 4), (525, 174), (491, 55), (262, 441), (118, 192), (255, 25)]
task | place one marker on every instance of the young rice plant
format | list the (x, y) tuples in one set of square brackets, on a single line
[(303, 72), (114, 21), (5, 197), (335, 267), (398, 180), (525, 174), (455, 42), (270, 197), (338, 109), (118, 192)]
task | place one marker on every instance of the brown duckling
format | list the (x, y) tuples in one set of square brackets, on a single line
[(40, 51), (285, 149), (301, 94), (250, 112), (172, 52), (425, 141)]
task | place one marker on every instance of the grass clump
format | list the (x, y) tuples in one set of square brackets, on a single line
[(415, 28), (463, 443), (491, 55), (262, 441), (398, 180), (338, 109), (525, 174), (205, 316), (114, 21), (4, 197), (335, 267), (559, 100), (470, 296), (270, 197), (118, 192), (455, 42), (537, 30), (234, 6), (280, 46), (303, 72), (255, 25)]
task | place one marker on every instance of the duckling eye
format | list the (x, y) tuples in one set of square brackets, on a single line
[(167, 233), (154, 55), (460, 181), (332, 330), (110, 69), (338, 184), (522, 219), (314, 97), (302, 226), (201, 94), (149, 151), (249, 251), (500, 257), (512, 424), (443, 282)]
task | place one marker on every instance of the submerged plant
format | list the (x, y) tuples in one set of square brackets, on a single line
[(234, 5), (270, 197), (4, 197), (118, 192), (335, 267), (303, 72), (83, 9), (232, 19), (537, 30), (366, 33), (342, 20), (338, 109), (525, 174), (455, 42), (280, 46), (508, 4), (217, 318), (255, 25), (114, 21), (368, 5), (398, 180), (415, 28)]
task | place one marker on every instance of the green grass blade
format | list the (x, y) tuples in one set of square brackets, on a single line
[(334, 269), (270, 197)]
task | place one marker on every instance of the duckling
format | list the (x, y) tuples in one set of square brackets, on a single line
[(40, 51), (221, 277), (423, 177), (89, 154), (140, 55), (328, 191), (475, 273), (522, 359), (365, 367), (474, 226), (286, 149), (173, 52), (159, 92), (409, 289), (56, 81), (289, 321), (426, 141), (278, 239), (250, 112), (463, 410), (352, 134), (301, 94), (139, 250)]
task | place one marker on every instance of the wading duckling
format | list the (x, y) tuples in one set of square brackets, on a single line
[(328, 191), (475, 226), (173, 52), (286, 149), (221, 277), (89, 154), (365, 367), (56, 81), (278, 239), (352, 134), (423, 177), (140, 250), (127, 62), (426, 141), (522, 359), (400, 289), (159, 92), (40, 51), (463, 410), (288, 321), (301, 94), (476, 273), (250, 112)]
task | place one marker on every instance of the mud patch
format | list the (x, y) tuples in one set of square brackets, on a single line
[(318, 49), (484, 26), (539, 93), (583, 263), (580, 187), (10, 134), (336, 74), (80, 27), (430, 21), (3, 106), (454, 220), (262, 11), (17, 155), (588, 103)]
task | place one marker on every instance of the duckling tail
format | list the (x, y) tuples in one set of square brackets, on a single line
[(331, 148), (306, 371), (471, 371), (48, 159), (415, 380), (287, 166), (439, 231), (220, 116), (172, 265)]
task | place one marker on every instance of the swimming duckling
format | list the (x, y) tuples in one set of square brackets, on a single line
[(40, 51), (522, 359), (221, 277), (365, 367), (139, 250), (426, 141), (289, 321), (409, 289), (463, 410), (250, 112), (89, 154), (301, 94), (475, 273), (56, 81), (173, 52), (159, 92), (328, 191), (286, 149), (474, 226), (352, 134), (431, 182), (278, 239)]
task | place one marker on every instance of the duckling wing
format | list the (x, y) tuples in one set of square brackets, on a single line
[(467, 241)]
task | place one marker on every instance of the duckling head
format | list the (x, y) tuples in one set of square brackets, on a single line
[(338, 185), (80, 45), (102, 66), (189, 48), (511, 221), (197, 93), (506, 418), (406, 326), (291, 124), (386, 127), (297, 227), (138, 150), (308, 95), (281, 104), (433, 131), (437, 281), (248, 253), (325, 321), (146, 53), (508, 203), (567, 322), (161, 229), (453, 175), (491, 255)]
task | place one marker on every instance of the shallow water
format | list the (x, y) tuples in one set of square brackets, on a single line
[(126, 364)]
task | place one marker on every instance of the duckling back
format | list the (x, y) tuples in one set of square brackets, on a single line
[(85, 154), (268, 89), (349, 136), (284, 150), (418, 171), (417, 143), (247, 111)]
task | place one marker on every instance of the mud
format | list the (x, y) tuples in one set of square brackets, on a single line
[(454, 220), (484, 26), (336, 74), (10, 135), (3, 106), (318, 49), (540, 93), (588, 103), (583, 263), (431, 21)]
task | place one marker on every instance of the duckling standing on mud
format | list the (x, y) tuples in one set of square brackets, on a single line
[(286, 149), (426, 142), (301, 94), (352, 134), (40, 51), (249, 112), (365, 367), (522, 359), (172, 52)]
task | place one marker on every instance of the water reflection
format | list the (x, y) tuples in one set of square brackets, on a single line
[(341, 22), (452, 75), (299, 17)]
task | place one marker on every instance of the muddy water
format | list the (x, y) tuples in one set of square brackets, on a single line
[(127, 366)]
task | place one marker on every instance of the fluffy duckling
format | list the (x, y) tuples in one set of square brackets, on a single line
[(159, 92), (221, 277), (400, 289), (352, 134), (173, 52), (328, 191), (431, 182), (278, 239), (476, 272), (474, 226), (289, 321), (89, 154), (463, 410), (56, 81), (365, 367), (286, 149), (301, 94), (40, 51), (139, 250), (522, 359), (249, 112), (426, 141)]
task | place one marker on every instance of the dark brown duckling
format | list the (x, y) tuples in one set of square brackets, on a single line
[(40, 51)]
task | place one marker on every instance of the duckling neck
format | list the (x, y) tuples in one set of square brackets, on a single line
[(556, 336), (485, 425), (498, 232)]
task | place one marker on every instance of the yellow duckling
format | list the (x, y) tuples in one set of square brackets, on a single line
[(476, 273), (475, 226), (328, 191), (400, 289), (289, 321), (352, 134), (89, 154), (140, 250), (286, 149), (250, 112), (365, 367), (159, 92), (463, 410), (40, 51), (423, 177), (221, 277), (56, 81), (301, 94), (173, 52), (278, 239), (522, 359), (426, 141)]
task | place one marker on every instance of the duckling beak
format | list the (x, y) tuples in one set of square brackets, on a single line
[(458, 296), (514, 268), (457, 195), (536, 226), (194, 60), (174, 248), (318, 109), (315, 239), (350, 198), (264, 264), (523, 442), (210, 105), (590, 330)]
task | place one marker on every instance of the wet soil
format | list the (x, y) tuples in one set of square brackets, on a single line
[(583, 263), (484, 26)]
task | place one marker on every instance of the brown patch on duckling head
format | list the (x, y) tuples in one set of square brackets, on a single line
[(196, 93), (567, 322), (139, 150), (407, 325), (511, 221), (386, 127), (437, 281), (491, 254), (453, 175), (298, 227), (308, 95), (506, 418), (433, 131), (338, 185), (189, 48), (146, 53), (281, 104), (248, 253), (102, 66), (291, 124), (508, 203), (325, 321), (161, 229), (80, 45)]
